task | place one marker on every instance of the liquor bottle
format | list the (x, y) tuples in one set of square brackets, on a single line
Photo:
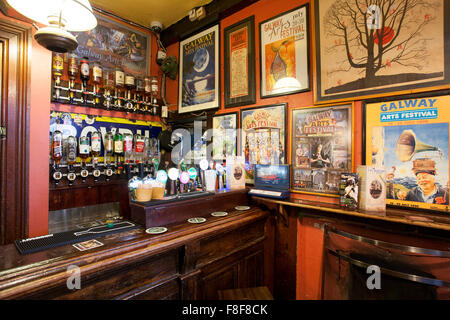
[(128, 153), (108, 86), (147, 94), (130, 85), (57, 154), (109, 150), (139, 144), (84, 75), (97, 79), (84, 150), (96, 144), (138, 107), (58, 70), (154, 94), (120, 82), (118, 150), (128, 146), (72, 72), (71, 158)]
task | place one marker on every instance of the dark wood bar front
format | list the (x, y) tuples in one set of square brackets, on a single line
[(189, 261)]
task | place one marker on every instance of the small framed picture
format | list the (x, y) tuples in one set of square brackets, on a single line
[(225, 135)]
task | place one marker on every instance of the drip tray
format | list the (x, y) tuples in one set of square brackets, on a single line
[(36, 244)]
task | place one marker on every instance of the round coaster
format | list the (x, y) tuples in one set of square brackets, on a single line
[(242, 208), (219, 214), (156, 230), (196, 220)]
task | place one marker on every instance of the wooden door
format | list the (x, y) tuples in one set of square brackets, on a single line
[(15, 42)]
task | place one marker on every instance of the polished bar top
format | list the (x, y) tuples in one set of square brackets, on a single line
[(404, 216)]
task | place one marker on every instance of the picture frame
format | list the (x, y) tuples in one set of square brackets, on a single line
[(322, 147), (379, 61), (199, 78), (225, 135), (263, 136), (284, 53), (409, 137), (239, 51), (113, 43)]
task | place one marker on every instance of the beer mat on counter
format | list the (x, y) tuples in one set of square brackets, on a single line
[(174, 198), (87, 245), (36, 244)]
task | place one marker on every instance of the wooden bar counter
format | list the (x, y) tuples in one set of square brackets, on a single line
[(189, 261)]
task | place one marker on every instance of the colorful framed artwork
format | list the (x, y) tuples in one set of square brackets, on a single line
[(239, 63), (115, 44), (321, 148), (284, 53), (224, 135), (263, 137), (410, 138), (386, 48), (198, 87)]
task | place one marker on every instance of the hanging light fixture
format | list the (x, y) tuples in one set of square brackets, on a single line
[(60, 17)]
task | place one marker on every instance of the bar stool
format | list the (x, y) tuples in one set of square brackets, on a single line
[(256, 293)]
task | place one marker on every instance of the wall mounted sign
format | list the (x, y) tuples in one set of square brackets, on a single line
[(284, 53), (321, 148), (239, 63), (410, 138), (367, 50), (263, 139), (225, 135), (199, 71), (114, 44)]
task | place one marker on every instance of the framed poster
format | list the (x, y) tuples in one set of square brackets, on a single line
[(115, 44), (239, 63), (321, 148), (263, 137), (410, 138), (198, 85), (284, 53), (368, 51), (224, 135)]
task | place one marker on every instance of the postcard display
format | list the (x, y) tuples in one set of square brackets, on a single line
[(321, 148), (410, 138)]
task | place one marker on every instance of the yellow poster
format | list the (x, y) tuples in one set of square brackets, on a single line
[(410, 138)]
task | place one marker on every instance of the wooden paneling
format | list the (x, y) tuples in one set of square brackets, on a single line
[(15, 88)]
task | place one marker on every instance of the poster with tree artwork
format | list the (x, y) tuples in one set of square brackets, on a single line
[(368, 49)]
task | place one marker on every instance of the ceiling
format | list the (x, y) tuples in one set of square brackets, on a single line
[(144, 12)]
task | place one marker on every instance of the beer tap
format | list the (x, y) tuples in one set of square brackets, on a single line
[(96, 145), (71, 159), (57, 154)]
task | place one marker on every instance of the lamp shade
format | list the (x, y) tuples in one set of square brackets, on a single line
[(76, 15)]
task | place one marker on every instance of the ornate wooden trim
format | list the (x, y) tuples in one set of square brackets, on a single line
[(15, 103)]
